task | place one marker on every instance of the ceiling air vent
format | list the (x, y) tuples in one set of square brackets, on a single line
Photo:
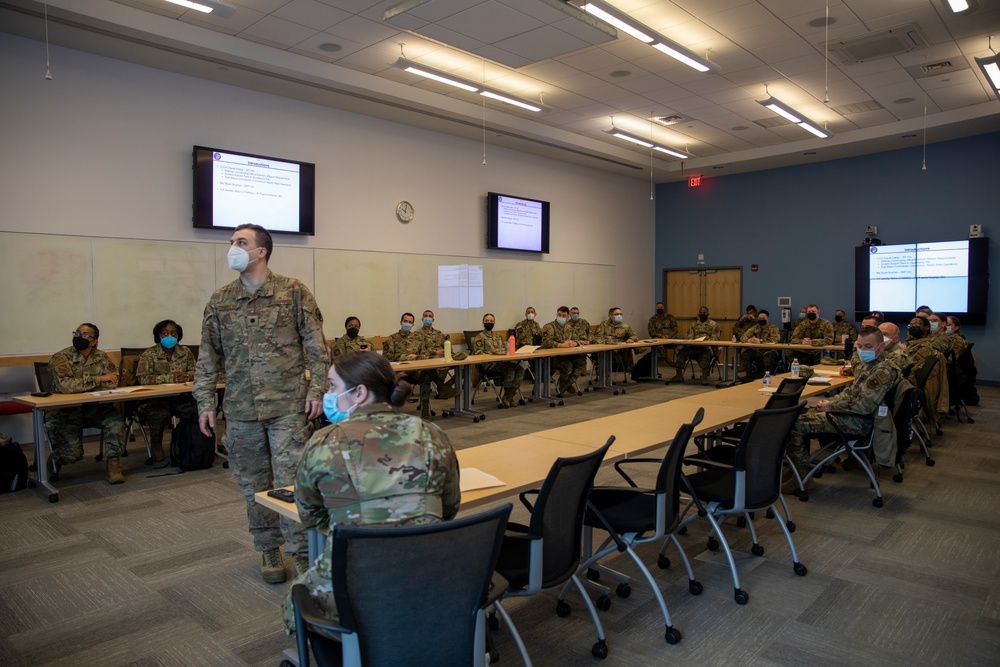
[(767, 123), (672, 119), (858, 107), (882, 44), (936, 69)]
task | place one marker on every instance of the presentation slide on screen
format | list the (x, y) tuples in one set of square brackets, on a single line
[(519, 224), (903, 277), (255, 190), (460, 286)]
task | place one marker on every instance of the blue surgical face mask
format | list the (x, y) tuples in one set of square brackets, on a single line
[(867, 356), (332, 410), (618, 319), (802, 316), (574, 316), (406, 326), (428, 321), (168, 342), (560, 321)]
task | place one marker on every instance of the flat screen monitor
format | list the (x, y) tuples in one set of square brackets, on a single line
[(232, 188), (951, 277), (516, 223)]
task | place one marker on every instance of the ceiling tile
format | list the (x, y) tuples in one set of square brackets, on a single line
[(757, 40), (542, 43), (591, 59), (956, 97), (310, 47), (702, 8), (234, 25), (743, 17), (311, 14), (275, 31), (363, 30)]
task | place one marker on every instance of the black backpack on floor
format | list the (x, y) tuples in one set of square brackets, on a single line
[(13, 466), (190, 449)]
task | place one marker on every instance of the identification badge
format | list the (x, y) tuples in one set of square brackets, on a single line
[(883, 411)]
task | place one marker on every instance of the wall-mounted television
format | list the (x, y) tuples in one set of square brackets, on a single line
[(516, 223), (952, 277), (232, 188)]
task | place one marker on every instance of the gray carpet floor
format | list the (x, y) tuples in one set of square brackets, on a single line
[(161, 571)]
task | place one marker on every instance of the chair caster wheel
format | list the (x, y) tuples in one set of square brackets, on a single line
[(624, 392), (741, 596), (593, 575), (579, 393), (741, 522), (897, 478), (475, 420), (695, 587), (225, 464), (623, 590), (563, 609), (616, 392), (672, 635), (877, 502), (603, 603), (149, 460), (32, 484), (520, 401), (552, 404), (713, 544), (790, 526), (799, 569), (929, 462), (99, 458), (803, 497), (599, 650), (757, 550), (663, 563)]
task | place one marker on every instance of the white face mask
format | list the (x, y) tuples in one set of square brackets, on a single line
[(530, 316), (239, 259)]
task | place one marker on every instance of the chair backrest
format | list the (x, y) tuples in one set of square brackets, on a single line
[(924, 372), (668, 479), (792, 385), (127, 367), (557, 515), (469, 335), (194, 350), (413, 595), (761, 451), (42, 376)]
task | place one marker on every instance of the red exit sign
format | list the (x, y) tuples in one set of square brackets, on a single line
[(694, 181)]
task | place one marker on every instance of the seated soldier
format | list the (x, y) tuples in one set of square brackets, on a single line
[(406, 345), (434, 347), (613, 330), (581, 327), (748, 321), (855, 361), (165, 363), (920, 346), (813, 330), (841, 328), (353, 341), (877, 376), (75, 370), (490, 342), (662, 325), (707, 329), (757, 361), (527, 331), (560, 333)]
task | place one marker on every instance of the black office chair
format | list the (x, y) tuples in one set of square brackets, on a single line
[(632, 516), (920, 377), (752, 483), (545, 554), (410, 596), (488, 379), (961, 382), (130, 409)]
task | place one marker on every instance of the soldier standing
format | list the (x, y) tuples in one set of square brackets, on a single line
[(261, 329), (707, 329), (490, 342)]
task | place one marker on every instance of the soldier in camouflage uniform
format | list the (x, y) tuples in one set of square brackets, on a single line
[(662, 325), (614, 330), (842, 327), (262, 329), (855, 365), (167, 362), (813, 330), (709, 329), (526, 330), (560, 333), (863, 396), (490, 342), (75, 370), (748, 321), (939, 332), (957, 340), (372, 465), (757, 360), (919, 342), (434, 346), (408, 345), (920, 345), (352, 341), (581, 327)]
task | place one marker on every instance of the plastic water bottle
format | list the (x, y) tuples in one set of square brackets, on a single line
[(511, 345), (795, 368), (767, 379), (447, 350)]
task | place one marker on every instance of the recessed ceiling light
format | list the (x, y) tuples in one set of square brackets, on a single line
[(822, 21), (903, 100), (330, 47), (619, 73)]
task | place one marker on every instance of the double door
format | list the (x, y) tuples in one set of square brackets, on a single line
[(687, 290)]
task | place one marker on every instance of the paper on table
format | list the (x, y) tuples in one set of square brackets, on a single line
[(526, 349), (474, 478), (699, 338), (829, 370), (819, 380), (121, 390)]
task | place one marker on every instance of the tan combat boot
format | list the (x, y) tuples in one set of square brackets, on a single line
[(425, 410), (704, 375), (113, 469), (510, 397), (272, 568), (678, 375), (301, 564)]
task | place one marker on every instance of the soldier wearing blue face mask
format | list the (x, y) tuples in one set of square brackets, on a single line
[(165, 363)]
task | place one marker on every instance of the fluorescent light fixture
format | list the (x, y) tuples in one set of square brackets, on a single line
[(628, 25), (785, 111), (621, 134), (464, 84), (213, 7), (960, 6), (991, 68)]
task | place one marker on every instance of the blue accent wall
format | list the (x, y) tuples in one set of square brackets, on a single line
[(801, 224)]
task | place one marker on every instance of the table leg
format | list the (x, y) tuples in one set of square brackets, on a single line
[(463, 401), (41, 461)]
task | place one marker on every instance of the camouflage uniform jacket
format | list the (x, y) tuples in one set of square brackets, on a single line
[(73, 373), (553, 333), (709, 329), (525, 331), (609, 333), (893, 355), (918, 349), (155, 368), (433, 340), (400, 345), (820, 331), (489, 342), (958, 343), (742, 325), (869, 388), (941, 342), (346, 344), (379, 466), (845, 327), (767, 333), (662, 326), (262, 341), (581, 330)]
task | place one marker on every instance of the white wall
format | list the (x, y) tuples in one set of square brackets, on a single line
[(104, 150)]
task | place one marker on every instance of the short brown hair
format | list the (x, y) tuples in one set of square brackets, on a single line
[(263, 238)]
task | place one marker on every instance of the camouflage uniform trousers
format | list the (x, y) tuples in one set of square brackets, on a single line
[(157, 414), (813, 423), (570, 367), (703, 355), (65, 430), (756, 361), (513, 372), (264, 455)]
